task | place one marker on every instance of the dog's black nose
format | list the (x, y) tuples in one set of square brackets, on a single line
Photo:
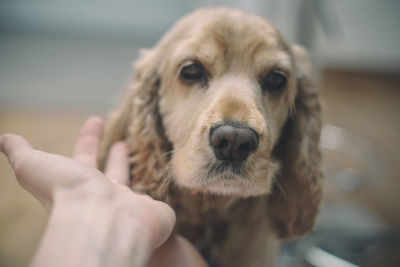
[(233, 141)]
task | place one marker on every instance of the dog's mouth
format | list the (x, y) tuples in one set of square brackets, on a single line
[(225, 170), (231, 178)]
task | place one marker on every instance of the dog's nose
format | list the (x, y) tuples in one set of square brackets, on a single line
[(233, 141)]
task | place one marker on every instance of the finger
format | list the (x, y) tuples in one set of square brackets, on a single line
[(117, 163), (28, 165), (168, 218), (42, 173), (87, 146), (13, 145)]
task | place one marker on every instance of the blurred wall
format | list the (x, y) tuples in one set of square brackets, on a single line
[(122, 19), (59, 53), (358, 35), (77, 55)]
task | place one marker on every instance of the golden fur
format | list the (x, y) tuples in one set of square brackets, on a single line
[(234, 219)]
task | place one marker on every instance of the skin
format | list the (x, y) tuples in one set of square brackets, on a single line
[(95, 219)]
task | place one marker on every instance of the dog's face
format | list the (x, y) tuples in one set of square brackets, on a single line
[(237, 106), (228, 84)]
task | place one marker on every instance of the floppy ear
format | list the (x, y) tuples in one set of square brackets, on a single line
[(296, 194), (138, 123)]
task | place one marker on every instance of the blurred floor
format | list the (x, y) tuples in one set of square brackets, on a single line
[(365, 104)]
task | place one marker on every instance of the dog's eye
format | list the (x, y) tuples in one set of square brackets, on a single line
[(193, 72), (274, 81)]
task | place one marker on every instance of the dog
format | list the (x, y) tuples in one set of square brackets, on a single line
[(222, 122)]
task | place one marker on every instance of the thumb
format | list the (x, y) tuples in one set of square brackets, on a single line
[(13, 145), (27, 166), (40, 172)]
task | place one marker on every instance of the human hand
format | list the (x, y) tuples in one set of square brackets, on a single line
[(95, 207), (57, 180)]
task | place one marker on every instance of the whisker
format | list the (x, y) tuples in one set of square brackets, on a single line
[(279, 185), (166, 154)]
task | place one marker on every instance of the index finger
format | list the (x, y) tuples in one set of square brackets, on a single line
[(87, 147)]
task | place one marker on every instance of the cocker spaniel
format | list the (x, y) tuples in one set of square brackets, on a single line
[(222, 122)]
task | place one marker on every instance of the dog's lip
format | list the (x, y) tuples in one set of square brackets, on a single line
[(226, 169)]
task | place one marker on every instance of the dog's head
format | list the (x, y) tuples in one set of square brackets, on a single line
[(223, 104)]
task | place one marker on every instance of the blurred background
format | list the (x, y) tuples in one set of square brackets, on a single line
[(61, 61)]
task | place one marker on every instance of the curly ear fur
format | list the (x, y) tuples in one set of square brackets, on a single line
[(294, 201), (139, 124)]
